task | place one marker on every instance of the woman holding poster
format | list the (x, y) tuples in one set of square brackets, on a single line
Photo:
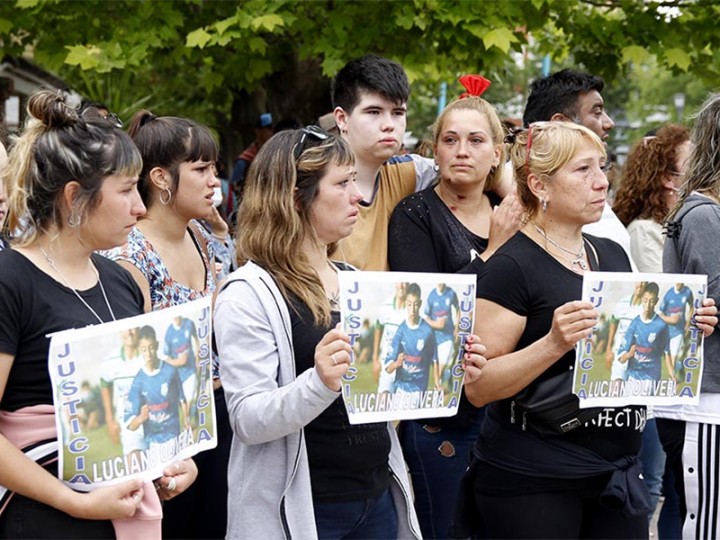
[(445, 228), (73, 189), (170, 256), (535, 477), (690, 433), (297, 466)]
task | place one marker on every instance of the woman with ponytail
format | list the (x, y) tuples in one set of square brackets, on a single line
[(72, 184), (170, 255)]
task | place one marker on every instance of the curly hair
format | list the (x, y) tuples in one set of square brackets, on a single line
[(642, 191)]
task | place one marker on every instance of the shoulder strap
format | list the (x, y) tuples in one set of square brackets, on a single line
[(199, 238), (592, 254)]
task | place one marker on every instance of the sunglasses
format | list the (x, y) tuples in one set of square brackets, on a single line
[(114, 120), (315, 132)]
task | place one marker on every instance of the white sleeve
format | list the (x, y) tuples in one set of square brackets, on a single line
[(425, 173), (259, 409)]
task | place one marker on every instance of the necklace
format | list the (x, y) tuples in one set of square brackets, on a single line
[(576, 260), (67, 284), (334, 297)]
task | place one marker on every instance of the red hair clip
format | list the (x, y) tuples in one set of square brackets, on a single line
[(474, 84)]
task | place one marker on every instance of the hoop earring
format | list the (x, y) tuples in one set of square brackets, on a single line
[(169, 197), (544, 203), (436, 167), (74, 220)]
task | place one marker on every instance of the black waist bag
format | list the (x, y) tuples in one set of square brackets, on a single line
[(549, 407)]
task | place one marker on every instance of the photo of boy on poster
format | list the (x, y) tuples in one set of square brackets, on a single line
[(129, 416), (156, 396), (406, 378), (635, 364), (414, 350)]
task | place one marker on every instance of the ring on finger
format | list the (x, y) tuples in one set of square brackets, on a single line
[(172, 484), (335, 362)]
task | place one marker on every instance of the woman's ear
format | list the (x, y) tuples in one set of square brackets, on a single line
[(159, 177), (70, 193), (537, 186), (298, 202)]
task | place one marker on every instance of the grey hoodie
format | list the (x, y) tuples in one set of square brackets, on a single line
[(269, 494)]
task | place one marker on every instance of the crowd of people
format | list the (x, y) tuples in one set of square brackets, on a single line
[(99, 224)]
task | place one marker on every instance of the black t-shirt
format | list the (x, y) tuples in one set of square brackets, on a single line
[(347, 462), (33, 304), (522, 277), (425, 236)]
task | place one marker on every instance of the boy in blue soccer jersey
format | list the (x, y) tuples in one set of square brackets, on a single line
[(156, 395), (646, 340), (441, 313), (181, 351), (414, 352), (676, 310)]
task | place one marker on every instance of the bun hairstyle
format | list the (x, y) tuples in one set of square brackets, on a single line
[(543, 149), (166, 142), (59, 146)]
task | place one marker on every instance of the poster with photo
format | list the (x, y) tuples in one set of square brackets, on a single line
[(408, 331), (645, 349), (133, 396)]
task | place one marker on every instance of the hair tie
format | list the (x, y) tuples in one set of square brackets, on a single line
[(527, 150), (474, 84)]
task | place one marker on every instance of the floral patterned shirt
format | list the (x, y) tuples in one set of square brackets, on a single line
[(164, 290)]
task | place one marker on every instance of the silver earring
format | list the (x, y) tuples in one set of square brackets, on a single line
[(436, 167), (544, 203), (169, 197), (493, 169), (74, 220)]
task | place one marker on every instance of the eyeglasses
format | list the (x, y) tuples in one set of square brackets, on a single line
[(315, 132)]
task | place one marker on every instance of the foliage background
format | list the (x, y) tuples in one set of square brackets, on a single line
[(223, 62)]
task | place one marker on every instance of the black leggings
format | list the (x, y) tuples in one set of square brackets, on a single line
[(576, 514)]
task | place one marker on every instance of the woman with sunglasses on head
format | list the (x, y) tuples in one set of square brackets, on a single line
[(445, 228), (170, 256), (534, 476), (297, 467), (73, 190)]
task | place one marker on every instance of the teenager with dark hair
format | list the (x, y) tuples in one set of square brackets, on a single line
[(73, 190), (370, 98)]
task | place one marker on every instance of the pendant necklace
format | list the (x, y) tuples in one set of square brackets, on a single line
[(334, 297), (576, 260), (67, 284)]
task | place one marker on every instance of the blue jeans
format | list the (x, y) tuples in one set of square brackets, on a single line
[(659, 479), (365, 519), (652, 456), (437, 459)]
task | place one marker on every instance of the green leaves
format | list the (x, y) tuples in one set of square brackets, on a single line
[(678, 58), (501, 38)]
